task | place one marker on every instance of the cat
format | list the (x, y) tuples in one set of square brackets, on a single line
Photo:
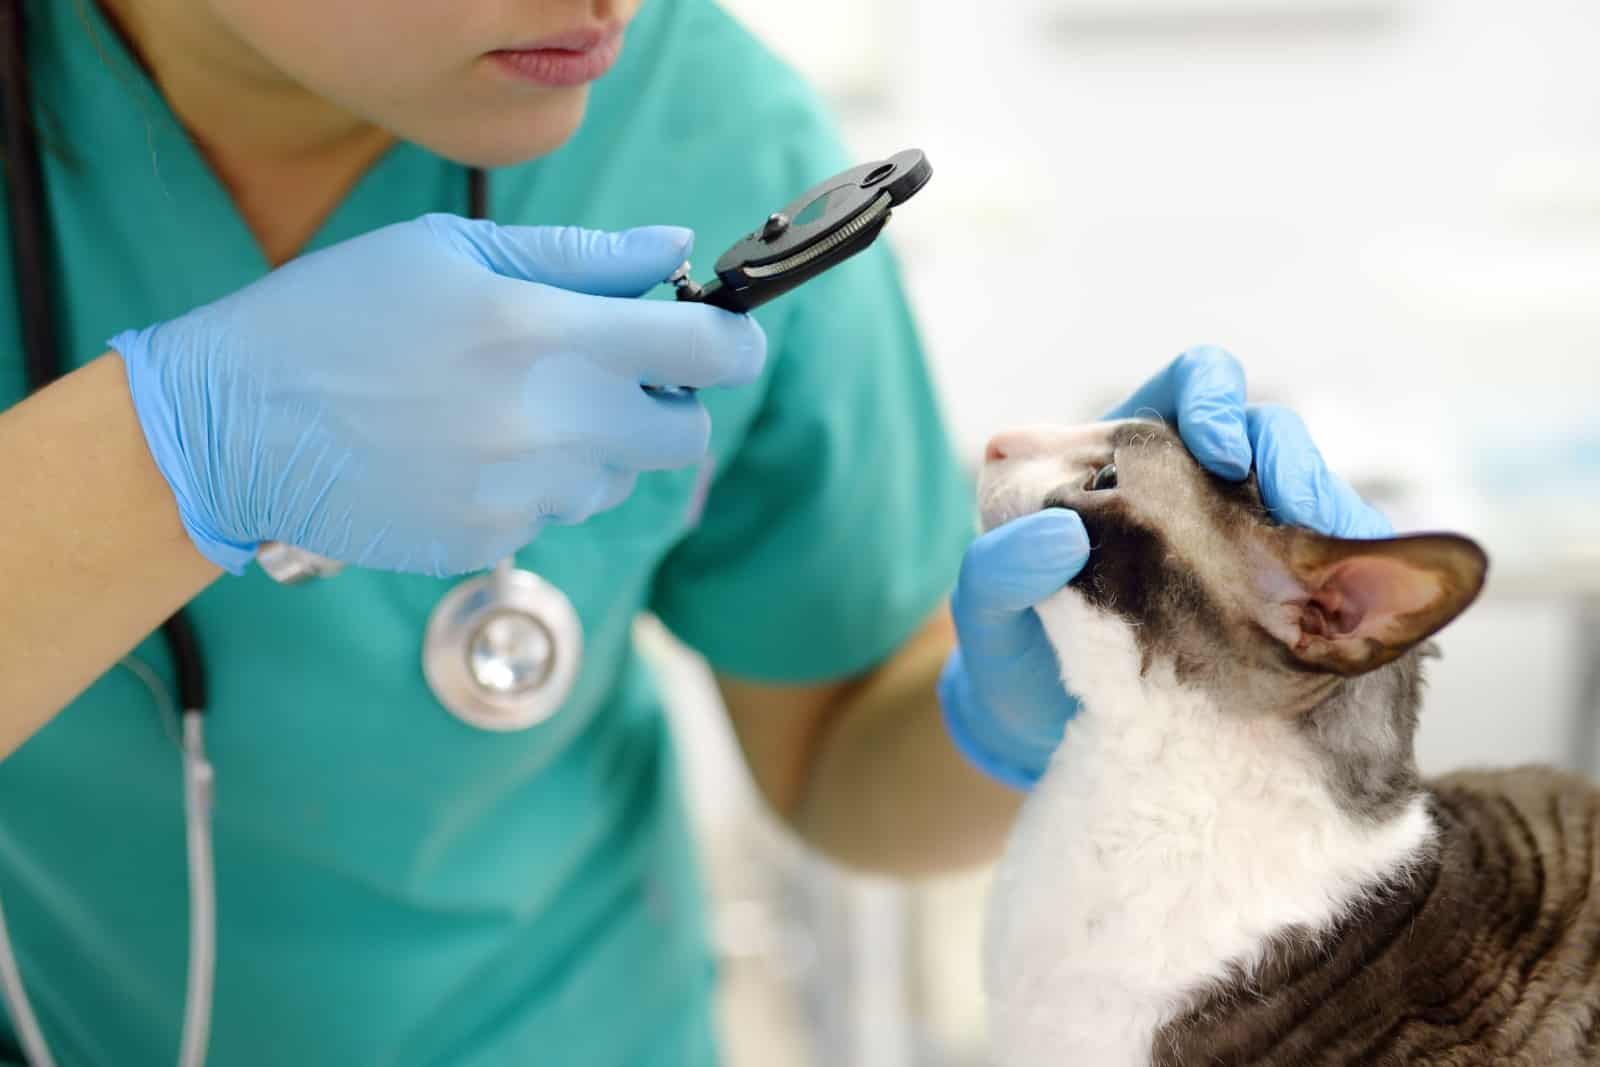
[(1232, 858)]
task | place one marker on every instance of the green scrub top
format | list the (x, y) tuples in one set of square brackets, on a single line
[(395, 887)]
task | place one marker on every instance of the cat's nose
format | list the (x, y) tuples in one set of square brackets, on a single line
[(1068, 444), (1012, 444)]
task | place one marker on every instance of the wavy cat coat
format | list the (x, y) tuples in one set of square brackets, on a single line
[(1232, 858)]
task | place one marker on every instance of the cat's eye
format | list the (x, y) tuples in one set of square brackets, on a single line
[(1104, 478)]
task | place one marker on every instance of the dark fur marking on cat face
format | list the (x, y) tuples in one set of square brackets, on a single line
[(1165, 555), (1130, 573)]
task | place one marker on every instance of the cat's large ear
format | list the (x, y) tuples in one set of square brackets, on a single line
[(1349, 607)]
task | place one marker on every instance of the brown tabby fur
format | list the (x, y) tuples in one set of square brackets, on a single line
[(1489, 953)]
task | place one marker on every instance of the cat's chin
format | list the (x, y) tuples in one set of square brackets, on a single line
[(1000, 516), (1001, 501)]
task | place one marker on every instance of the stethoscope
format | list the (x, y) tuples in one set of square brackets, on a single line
[(26, 208), (501, 651)]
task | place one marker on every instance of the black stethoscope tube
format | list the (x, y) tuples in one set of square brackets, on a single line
[(25, 203), (28, 212)]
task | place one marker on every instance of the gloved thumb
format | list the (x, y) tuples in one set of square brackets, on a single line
[(1013, 567), (625, 263)]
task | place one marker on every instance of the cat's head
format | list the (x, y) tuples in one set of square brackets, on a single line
[(1188, 571)]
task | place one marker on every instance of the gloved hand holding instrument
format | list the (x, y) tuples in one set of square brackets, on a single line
[(426, 397)]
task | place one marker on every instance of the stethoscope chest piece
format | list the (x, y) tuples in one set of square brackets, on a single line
[(502, 650)]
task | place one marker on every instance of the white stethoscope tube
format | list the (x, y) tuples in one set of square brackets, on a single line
[(198, 779), (34, 1049), (501, 652)]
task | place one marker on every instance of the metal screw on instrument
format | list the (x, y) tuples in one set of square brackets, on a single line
[(687, 287)]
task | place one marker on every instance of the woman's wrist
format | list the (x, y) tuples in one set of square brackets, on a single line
[(169, 441), (96, 555), (150, 492)]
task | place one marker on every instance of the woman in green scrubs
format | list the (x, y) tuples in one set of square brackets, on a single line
[(418, 395)]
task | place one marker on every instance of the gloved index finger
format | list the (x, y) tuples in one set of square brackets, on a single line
[(624, 263), (1204, 390), (1296, 484), (661, 342)]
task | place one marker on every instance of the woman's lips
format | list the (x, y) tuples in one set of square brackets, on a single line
[(565, 60)]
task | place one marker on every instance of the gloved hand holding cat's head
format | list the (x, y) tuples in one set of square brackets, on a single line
[(1195, 573), (1001, 687)]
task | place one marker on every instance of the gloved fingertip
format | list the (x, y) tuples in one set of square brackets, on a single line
[(1209, 359), (1040, 553), (670, 241), (1211, 410), (751, 348), (1219, 442), (738, 343), (1065, 532), (1052, 536), (1369, 524)]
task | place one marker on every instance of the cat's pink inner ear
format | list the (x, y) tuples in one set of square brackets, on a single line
[(1348, 606), (1368, 596)]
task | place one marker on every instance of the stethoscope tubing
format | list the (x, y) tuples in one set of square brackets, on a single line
[(29, 215)]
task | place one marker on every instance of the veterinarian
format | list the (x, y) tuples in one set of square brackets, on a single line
[(418, 395)]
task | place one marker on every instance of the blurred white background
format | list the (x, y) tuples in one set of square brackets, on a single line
[(1390, 211)]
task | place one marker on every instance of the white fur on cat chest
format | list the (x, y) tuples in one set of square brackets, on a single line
[(1167, 839)]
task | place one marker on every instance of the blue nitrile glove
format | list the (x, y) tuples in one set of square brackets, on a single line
[(426, 396), (1001, 689)]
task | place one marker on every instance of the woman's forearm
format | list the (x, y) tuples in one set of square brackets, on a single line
[(888, 792), (92, 554)]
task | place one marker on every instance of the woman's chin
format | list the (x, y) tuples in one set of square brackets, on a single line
[(515, 135)]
